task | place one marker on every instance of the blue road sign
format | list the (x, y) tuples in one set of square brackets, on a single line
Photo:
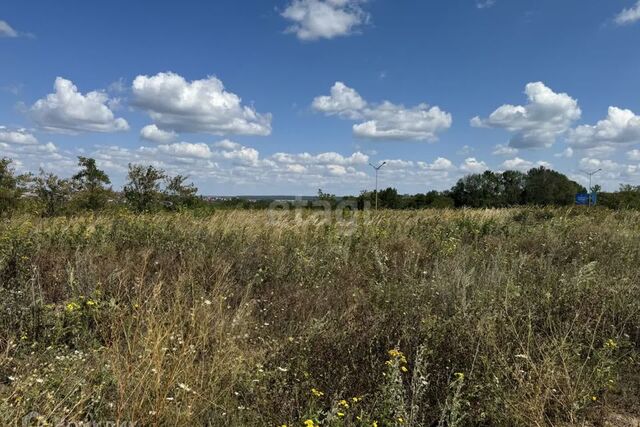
[(582, 199)]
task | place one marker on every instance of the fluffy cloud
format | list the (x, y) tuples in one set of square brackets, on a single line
[(226, 144), (612, 175), (567, 153), (19, 136), (155, 134), (356, 158), (390, 121), (385, 120), (591, 164), (32, 157), (186, 149), (620, 127), (633, 154), (547, 116), (6, 30), (440, 164), (343, 101), (229, 165), (522, 165), (176, 104), (473, 165), (68, 110), (628, 16), (229, 162), (241, 154), (440, 173), (317, 19), (504, 150)]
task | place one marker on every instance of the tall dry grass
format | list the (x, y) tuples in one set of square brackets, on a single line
[(487, 317)]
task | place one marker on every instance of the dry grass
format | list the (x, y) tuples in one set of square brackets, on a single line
[(496, 317)]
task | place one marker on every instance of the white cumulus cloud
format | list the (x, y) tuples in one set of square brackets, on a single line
[(473, 165), (324, 19), (356, 158), (6, 30), (69, 111), (386, 120), (186, 149), (619, 127), (199, 106), (18, 136), (155, 134), (633, 154), (504, 150), (567, 153), (241, 154), (628, 16), (547, 116), (591, 164), (440, 164), (522, 165), (343, 101)]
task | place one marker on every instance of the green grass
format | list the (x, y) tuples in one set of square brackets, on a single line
[(472, 317)]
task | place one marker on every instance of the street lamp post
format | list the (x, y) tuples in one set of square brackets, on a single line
[(590, 174), (377, 168)]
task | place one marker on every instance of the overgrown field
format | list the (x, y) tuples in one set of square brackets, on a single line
[(518, 317)]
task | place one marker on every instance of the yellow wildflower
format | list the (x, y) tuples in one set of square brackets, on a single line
[(309, 423), (316, 392), (72, 306), (404, 369), (344, 403), (374, 424), (340, 414), (397, 354)]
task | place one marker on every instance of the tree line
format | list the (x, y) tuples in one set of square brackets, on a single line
[(151, 189), (147, 189), (538, 187)]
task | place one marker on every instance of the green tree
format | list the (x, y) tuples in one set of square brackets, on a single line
[(389, 199), (179, 193), (435, 199), (478, 190), (547, 187), (91, 183), (10, 187), (627, 197), (327, 197), (52, 192), (142, 191), (512, 190)]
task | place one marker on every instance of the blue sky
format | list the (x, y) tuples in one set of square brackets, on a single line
[(288, 96)]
